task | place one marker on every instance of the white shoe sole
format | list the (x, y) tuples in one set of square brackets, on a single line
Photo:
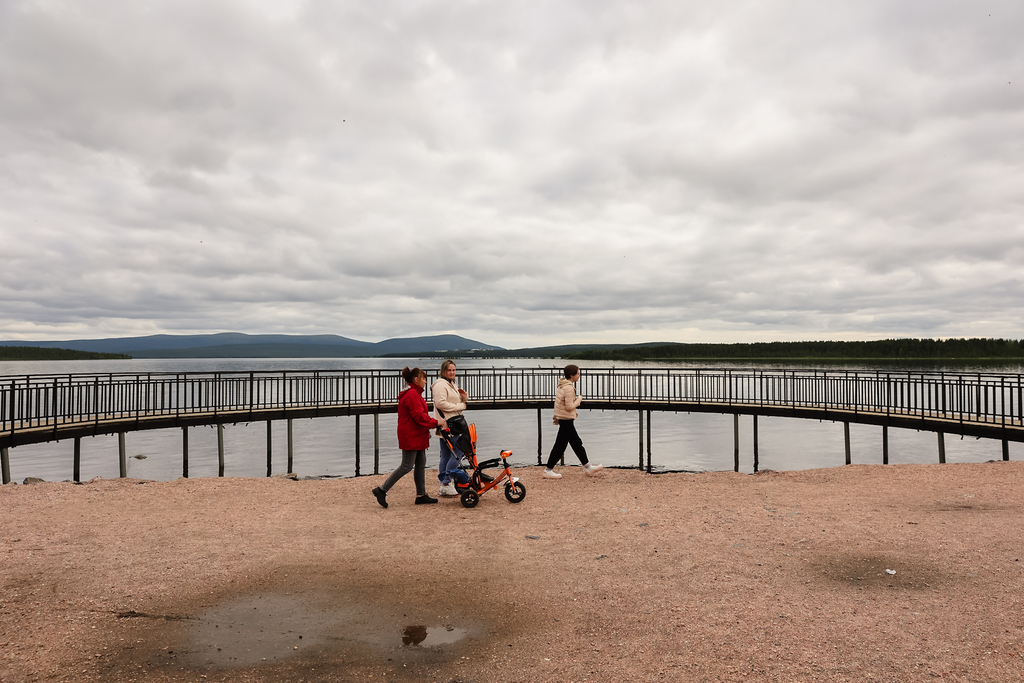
[(552, 475), (593, 470)]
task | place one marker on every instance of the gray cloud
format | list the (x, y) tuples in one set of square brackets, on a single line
[(524, 173)]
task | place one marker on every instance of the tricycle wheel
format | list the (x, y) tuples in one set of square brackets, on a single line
[(470, 499), (515, 492)]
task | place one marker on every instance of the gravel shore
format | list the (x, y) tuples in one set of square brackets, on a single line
[(858, 573)]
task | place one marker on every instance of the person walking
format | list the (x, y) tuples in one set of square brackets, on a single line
[(566, 403), (449, 400), (414, 425)]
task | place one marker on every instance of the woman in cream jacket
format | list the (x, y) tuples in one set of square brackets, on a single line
[(566, 403), (449, 400)]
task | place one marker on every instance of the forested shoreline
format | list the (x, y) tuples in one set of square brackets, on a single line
[(39, 353), (885, 349)]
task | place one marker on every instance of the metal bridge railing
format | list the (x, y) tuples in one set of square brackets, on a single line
[(39, 401)]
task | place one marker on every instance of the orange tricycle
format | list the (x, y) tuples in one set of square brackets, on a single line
[(462, 438)]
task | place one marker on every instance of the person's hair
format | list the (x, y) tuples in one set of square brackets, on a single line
[(444, 366), (571, 370), (410, 375)]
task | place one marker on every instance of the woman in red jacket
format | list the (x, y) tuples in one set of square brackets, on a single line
[(414, 425)]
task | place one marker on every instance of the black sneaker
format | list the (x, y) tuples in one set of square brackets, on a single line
[(425, 500), (381, 497)]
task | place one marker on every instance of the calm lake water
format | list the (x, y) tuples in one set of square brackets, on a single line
[(326, 446)]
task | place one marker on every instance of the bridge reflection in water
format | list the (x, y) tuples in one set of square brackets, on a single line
[(39, 408)]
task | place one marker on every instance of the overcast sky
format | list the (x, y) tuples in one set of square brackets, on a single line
[(522, 173)]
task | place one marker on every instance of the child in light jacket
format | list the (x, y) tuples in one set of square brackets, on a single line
[(566, 403)]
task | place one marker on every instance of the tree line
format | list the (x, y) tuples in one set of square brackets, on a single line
[(885, 349), (40, 353)]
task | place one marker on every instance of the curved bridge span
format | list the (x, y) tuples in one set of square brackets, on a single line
[(38, 408)]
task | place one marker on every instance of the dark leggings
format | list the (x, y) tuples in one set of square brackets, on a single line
[(567, 436), (410, 459)]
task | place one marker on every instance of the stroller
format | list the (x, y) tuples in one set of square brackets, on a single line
[(462, 437)]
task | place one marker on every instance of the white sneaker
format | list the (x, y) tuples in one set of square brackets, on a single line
[(591, 468), (448, 490), (551, 474)]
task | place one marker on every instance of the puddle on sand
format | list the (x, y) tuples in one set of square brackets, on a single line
[(272, 627), (430, 636), (249, 631)]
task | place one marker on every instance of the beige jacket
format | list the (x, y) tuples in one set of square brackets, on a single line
[(446, 399), (566, 400)]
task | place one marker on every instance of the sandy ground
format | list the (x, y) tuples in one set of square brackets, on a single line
[(622, 576)]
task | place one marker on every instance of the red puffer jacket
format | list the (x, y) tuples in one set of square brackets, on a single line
[(414, 423)]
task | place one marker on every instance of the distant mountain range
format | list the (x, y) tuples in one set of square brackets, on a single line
[(238, 345)]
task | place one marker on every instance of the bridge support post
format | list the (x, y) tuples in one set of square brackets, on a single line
[(122, 458), (885, 444), (270, 449), (846, 440), (289, 445), (540, 441), (736, 442), (220, 450), (76, 465), (640, 447), (648, 442), (184, 452), (756, 458), (5, 464), (376, 443), (942, 447), (357, 445), (1006, 449)]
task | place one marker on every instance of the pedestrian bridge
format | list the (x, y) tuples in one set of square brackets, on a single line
[(38, 408)]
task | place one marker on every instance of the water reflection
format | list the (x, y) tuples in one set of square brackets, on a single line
[(430, 636)]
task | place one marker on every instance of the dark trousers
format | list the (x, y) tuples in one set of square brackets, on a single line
[(567, 436)]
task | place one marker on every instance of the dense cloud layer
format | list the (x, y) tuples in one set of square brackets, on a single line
[(522, 173)]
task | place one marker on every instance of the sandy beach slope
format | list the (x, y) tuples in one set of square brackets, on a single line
[(858, 573)]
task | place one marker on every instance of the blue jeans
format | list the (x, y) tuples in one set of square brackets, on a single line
[(449, 465)]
